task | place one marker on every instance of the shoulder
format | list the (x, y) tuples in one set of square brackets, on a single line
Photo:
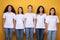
[(48, 16), (37, 14), (34, 14), (12, 13), (44, 14), (56, 16), (16, 15), (26, 14), (6, 13), (23, 15)]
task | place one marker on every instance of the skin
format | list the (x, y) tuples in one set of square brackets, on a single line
[(52, 11), (20, 10), (30, 9), (9, 9), (41, 9)]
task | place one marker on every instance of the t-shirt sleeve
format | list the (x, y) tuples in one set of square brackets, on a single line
[(25, 16), (14, 16), (45, 16), (35, 16), (57, 20), (4, 15), (46, 20)]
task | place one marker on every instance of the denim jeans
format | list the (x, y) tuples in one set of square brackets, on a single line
[(29, 34), (40, 34), (51, 35), (8, 33), (19, 34)]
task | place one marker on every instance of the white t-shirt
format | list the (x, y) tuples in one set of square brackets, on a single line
[(40, 21), (9, 20), (52, 22), (29, 20), (19, 21)]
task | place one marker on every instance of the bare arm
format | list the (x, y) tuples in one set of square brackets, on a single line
[(14, 22), (35, 21), (46, 26), (57, 25), (24, 22), (3, 21)]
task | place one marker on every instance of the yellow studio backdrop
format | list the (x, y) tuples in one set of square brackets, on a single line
[(24, 3)]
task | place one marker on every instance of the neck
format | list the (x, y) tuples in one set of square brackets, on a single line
[(29, 12), (9, 11), (20, 13), (52, 15), (41, 13)]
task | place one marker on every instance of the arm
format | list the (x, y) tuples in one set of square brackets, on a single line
[(46, 26), (14, 22), (3, 21), (35, 21), (24, 24)]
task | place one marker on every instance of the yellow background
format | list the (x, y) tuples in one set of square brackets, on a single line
[(24, 3)]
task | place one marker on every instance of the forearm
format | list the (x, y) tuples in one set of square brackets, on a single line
[(34, 23), (24, 23), (3, 22), (46, 26), (14, 22)]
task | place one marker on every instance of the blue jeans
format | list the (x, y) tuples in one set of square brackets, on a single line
[(8, 33), (29, 34), (19, 34), (40, 34), (51, 35)]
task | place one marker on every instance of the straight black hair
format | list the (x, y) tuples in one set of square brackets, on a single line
[(54, 10), (22, 10), (6, 9), (39, 8)]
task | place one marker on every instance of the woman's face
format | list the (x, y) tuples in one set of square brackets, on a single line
[(9, 9), (29, 9), (20, 10), (41, 9), (52, 11)]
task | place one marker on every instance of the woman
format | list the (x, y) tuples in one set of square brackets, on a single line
[(52, 22), (8, 21), (19, 24), (29, 23), (40, 23)]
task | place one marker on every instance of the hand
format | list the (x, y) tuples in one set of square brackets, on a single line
[(45, 31), (24, 30), (13, 29), (34, 31)]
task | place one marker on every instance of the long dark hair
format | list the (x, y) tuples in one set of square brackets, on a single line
[(39, 8), (54, 11), (22, 10), (6, 9)]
